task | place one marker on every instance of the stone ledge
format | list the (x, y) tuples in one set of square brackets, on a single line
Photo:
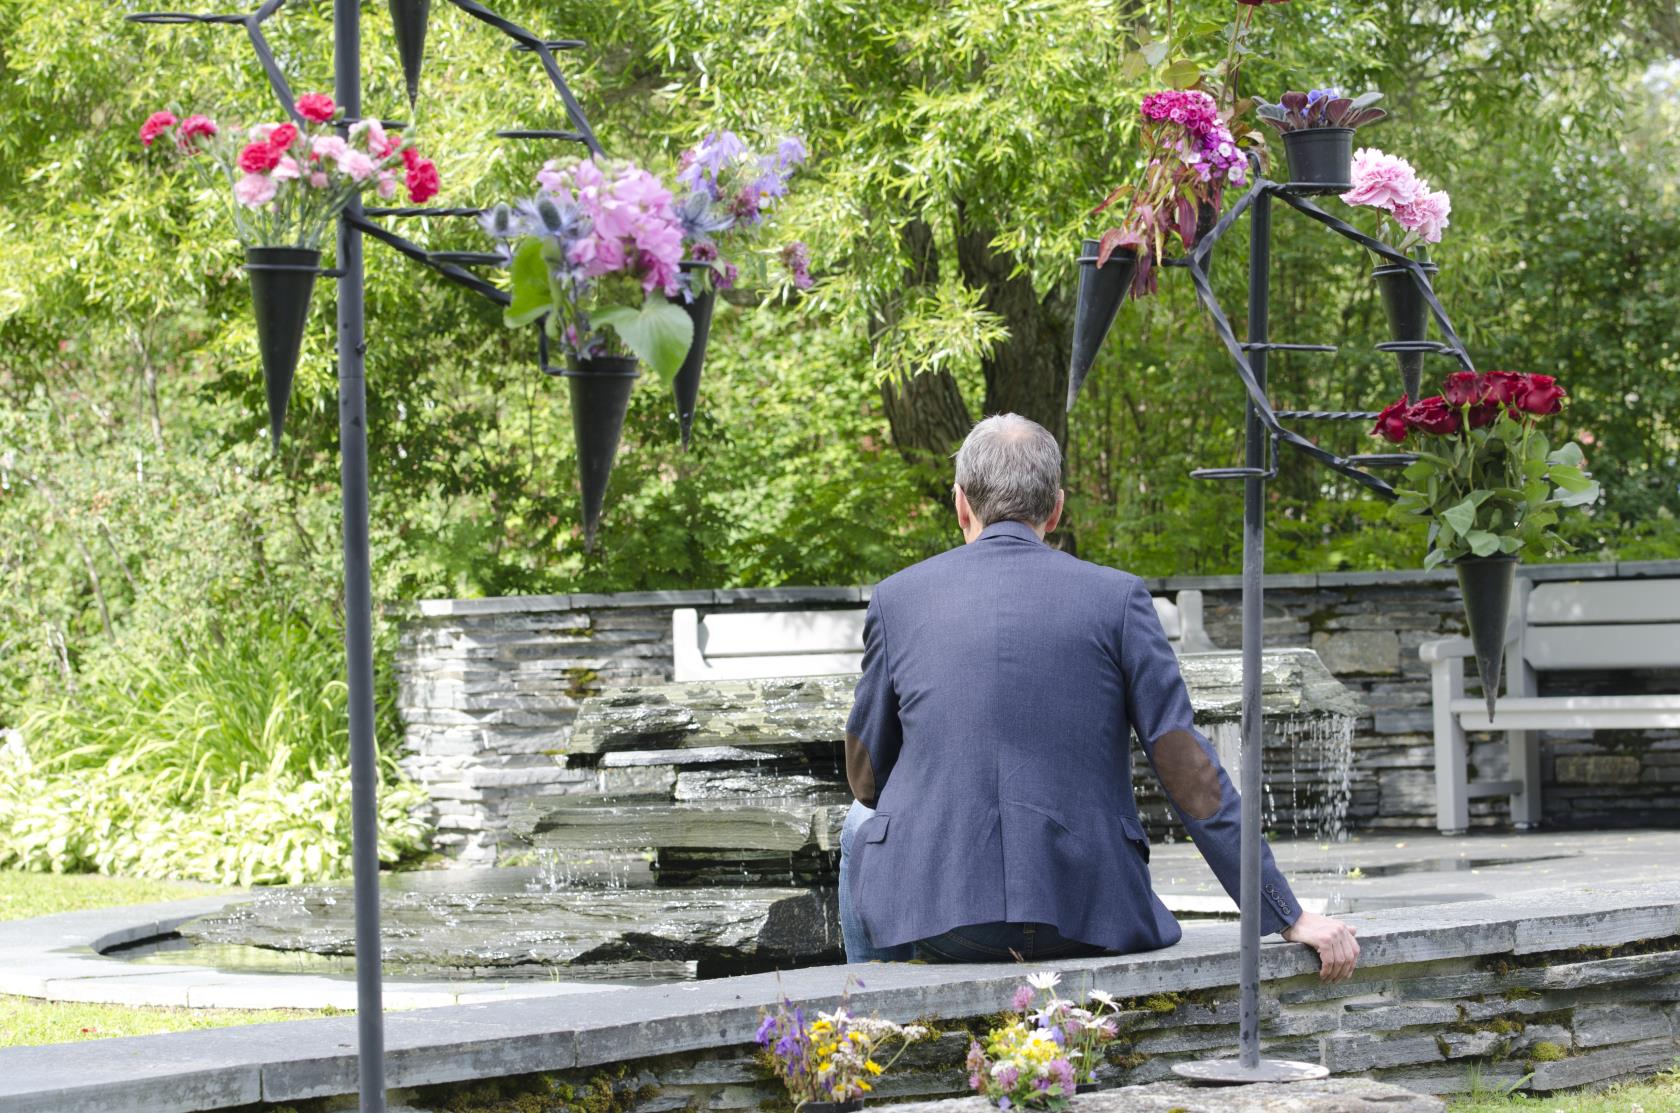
[(306, 1059), (1330, 1095)]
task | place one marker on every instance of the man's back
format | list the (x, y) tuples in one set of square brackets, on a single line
[(1002, 682)]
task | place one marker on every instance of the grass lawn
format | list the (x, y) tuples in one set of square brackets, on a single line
[(23, 895), (26, 1021), (1660, 1095)]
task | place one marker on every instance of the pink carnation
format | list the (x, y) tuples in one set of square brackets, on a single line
[(1382, 181), (358, 165), (317, 107), (1426, 214), (254, 190), (286, 170), (387, 188), (156, 124), (319, 180)]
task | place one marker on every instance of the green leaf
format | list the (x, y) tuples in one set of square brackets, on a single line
[(531, 295), (1433, 558), (1569, 455), (659, 332), (1582, 496), (1461, 517), (1568, 477), (1182, 74), (1154, 53), (1482, 543), (1536, 492)]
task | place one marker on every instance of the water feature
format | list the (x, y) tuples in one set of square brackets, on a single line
[(711, 843)]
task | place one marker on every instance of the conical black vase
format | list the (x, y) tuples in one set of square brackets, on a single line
[(1408, 318), (1320, 160), (851, 1106), (1101, 290), (600, 388), (686, 385), (1485, 583), (408, 19), (282, 281)]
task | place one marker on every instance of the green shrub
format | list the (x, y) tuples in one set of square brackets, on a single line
[(228, 763)]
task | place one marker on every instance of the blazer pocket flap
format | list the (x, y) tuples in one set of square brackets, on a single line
[(876, 829), (1135, 832)]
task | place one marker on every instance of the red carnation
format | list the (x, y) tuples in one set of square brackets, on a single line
[(156, 124), (1540, 395), (1463, 388), (259, 158), (316, 106), (1501, 386), (1433, 415), (283, 137), (194, 128), (1391, 423), (410, 157), (422, 181), (392, 142)]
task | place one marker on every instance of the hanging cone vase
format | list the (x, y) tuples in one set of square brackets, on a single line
[(408, 19), (282, 281), (600, 388), (1408, 318), (1320, 160), (1101, 290), (1486, 583), (686, 385)]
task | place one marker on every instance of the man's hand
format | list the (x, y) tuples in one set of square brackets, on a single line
[(1338, 950)]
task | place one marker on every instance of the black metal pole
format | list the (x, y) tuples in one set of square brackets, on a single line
[(1253, 618), (358, 590)]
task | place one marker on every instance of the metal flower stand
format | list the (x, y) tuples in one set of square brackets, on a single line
[(1265, 429), (352, 424)]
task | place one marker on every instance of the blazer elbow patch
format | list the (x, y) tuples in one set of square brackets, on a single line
[(1188, 774), (860, 770)]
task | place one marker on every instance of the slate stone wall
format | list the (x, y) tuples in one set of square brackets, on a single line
[(489, 688)]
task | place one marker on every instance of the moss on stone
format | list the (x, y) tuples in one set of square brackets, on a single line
[(582, 683), (1547, 1052), (603, 1092)]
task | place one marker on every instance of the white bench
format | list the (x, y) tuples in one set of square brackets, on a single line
[(1585, 624), (766, 644)]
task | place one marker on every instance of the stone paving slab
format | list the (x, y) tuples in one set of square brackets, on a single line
[(300, 1060)]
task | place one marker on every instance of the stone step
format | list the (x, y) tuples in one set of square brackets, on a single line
[(568, 823)]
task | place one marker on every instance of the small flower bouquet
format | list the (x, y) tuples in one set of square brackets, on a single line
[(289, 183), (595, 255), (1041, 1058), (1192, 158), (830, 1063), (1317, 129), (732, 189), (1490, 484)]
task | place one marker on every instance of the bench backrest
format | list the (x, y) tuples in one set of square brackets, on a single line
[(767, 644), (1603, 624)]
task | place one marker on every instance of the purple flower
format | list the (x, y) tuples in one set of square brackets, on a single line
[(1007, 1077), (790, 152), (698, 218), (703, 165), (1063, 1070), (797, 258), (764, 1031), (704, 251), (1023, 998)]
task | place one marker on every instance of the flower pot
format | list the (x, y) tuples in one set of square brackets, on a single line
[(282, 281), (832, 1106), (1485, 583), (408, 20), (1101, 290), (600, 388), (1320, 159), (1408, 318), (686, 385)]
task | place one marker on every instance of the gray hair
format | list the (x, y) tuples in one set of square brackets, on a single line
[(1011, 470)]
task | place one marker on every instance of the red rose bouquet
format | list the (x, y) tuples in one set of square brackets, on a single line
[(1486, 477)]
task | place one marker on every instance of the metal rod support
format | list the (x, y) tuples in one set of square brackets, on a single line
[(358, 593), (1253, 619)]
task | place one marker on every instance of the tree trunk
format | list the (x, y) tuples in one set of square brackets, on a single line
[(925, 411), (1026, 373)]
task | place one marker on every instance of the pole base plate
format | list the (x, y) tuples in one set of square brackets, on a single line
[(1231, 1072)]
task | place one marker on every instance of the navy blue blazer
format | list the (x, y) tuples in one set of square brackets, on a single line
[(991, 732)]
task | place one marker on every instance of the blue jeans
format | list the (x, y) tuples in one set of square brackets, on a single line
[(852, 933)]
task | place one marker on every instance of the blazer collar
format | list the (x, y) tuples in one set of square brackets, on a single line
[(1018, 530)]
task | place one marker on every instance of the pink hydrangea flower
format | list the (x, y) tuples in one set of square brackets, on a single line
[(1426, 214), (1382, 181), (254, 190)]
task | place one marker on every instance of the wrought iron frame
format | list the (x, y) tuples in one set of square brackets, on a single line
[(352, 423), (1264, 431)]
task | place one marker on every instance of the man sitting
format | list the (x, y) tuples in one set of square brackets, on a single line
[(991, 734)]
